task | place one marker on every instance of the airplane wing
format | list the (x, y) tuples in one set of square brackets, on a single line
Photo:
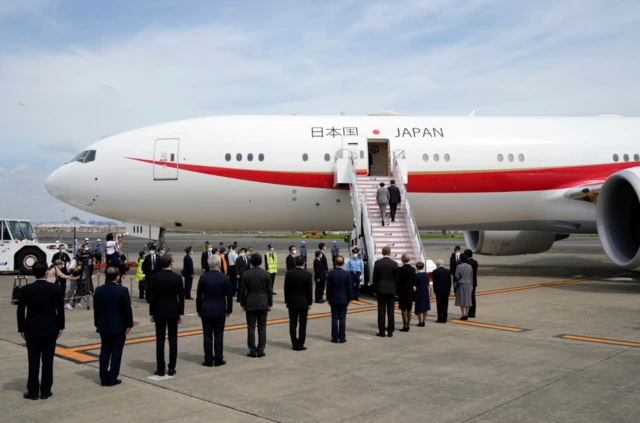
[(588, 192)]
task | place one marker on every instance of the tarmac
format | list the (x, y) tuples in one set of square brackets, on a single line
[(556, 339)]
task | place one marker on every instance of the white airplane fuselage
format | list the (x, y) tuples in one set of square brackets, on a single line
[(177, 174)]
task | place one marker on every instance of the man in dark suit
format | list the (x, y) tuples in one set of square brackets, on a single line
[(166, 309), (291, 258), (320, 276), (442, 290), (394, 199), (298, 296), (474, 266), (385, 282), (454, 261), (256, 299), (339, 294), (113, 319), (214, 303), (188, 272), (150, 266), (44, 323), (204, 264), (242, 265)]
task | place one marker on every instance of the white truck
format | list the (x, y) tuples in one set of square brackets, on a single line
[(19, 247)]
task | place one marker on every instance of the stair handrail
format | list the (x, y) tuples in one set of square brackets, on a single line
[(355, 195), (398, 176), (369, 239)]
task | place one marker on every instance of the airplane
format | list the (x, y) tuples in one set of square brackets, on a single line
[(514, 185)]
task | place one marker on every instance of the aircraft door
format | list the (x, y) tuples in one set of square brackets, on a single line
[(165, 159), (359, 153)]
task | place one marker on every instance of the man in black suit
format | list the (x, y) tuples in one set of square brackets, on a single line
[(204, 263), (291, 258), (242, 265), (44, 323), (256, 299), (454, 261), (385, 281), (394, 199), (474, 266), (150, 266), (214, 303), (113, 318), (320, 276), (339, 294), (166, 309), (298, 296), (442, 290)]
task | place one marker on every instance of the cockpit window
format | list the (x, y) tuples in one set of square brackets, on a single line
[(91, 156), (85, 157)]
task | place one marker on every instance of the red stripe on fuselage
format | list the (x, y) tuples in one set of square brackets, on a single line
[(540, 179)]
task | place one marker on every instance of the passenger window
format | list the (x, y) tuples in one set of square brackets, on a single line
[(261, 157), (500, 157), (227, 157), (626, 157), (327, 157), (239, 157), (510, 157), (425, 157), (521, 157), (615, 158), (305, 157), (636, 158), (91, 156), (436, 157), (446, 157), (250, 157)]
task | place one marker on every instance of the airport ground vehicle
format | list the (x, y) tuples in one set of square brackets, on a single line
[(19, 247)]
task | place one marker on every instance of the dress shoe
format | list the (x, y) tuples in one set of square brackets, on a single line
[(252, 355), (404, 330), (190, 298), (335, 341), (26, 395), (115, 382), (260, 355), (464, 318), (159, 373), (171, 372), (205, 364), (472, 316), (343, 341), (381, 334), (302, 348), (219, 363), (390, 334), (274, 293), (45, 396)]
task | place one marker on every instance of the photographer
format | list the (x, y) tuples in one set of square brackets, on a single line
[(83, 284)]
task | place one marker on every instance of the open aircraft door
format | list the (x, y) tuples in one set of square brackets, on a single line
[(165, 159), (359, 152)]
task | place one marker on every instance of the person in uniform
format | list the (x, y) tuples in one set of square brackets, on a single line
[(335, 252), (140, 271), (98, 252), (355, 267), (271, 265), (423, 304), (303, 253), (188, 272)]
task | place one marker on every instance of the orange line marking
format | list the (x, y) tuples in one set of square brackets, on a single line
[(601, 340), (488, 326)]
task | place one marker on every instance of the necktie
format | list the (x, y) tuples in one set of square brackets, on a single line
[(153, 262)]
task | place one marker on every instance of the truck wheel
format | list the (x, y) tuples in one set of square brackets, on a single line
[(26, 258)]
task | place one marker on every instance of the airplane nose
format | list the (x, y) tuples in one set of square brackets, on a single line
[(53, 185)]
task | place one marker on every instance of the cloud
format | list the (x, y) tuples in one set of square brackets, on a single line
[(86, 74), (21, 168)]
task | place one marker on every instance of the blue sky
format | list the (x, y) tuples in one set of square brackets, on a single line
[(74, 71)]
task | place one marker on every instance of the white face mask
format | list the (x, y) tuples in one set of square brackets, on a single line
[(293, 252), (62, 251), (457, 254), (86, 249), (355, 255), (241, 254), (270, 249), (210, 249)]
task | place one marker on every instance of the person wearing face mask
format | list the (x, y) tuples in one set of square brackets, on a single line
[(204, 264), (232, 260), (243, 264), (291, 258), (66, 260), (303, 253), (355, 267), (454, 261), (187, 272), (271, 265), (150, 267)]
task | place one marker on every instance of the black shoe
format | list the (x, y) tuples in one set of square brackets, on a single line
[(205, 364), (295, 348), (472, 317), (383, 223), (335, 341), (114, 383), (252, 355), (30, 397), (45, 396), (464, 318), (189, 298), (274, 293), (260, 355), (343, 341), (381, 334), (159, 373), (390, 334), (219, 363), (302, 348), (393, 220), (171, 372), (404, 330)]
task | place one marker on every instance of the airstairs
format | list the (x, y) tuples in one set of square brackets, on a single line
[(402, 235)]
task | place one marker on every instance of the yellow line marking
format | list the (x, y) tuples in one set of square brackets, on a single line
[(357, 302), (488, 326), (601, 340)]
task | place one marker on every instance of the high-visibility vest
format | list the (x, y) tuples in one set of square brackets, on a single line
[(272, 262), (139, 272)]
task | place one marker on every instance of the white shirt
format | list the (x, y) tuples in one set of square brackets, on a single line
[(233, 256), (110, 247)]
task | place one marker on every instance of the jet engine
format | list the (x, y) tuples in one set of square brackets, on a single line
[(510, 243), (618, 218)]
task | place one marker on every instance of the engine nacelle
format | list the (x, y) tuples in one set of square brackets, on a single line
[(618, 218), (510, 243)]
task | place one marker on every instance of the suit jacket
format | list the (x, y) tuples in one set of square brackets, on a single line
[(147, 269), (255, 291), (325, 265), (44, 304), (215, 297), (298, 289), (291, 262), (204, 264), (394, 194), (406, 279), (474, 265), (112, 309), (167, 295), (382, 195), (385, 276), (319, 270), (187, 267), (464, 274), (339, 287), (453, 263), (441, 281), (242, 265)]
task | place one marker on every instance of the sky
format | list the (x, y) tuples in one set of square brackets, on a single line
[(74, 71)]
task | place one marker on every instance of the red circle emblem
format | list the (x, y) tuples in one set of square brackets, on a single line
[(376, 132)]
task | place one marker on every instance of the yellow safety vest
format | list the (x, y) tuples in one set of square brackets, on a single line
[(140, 273), (272, 263)]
